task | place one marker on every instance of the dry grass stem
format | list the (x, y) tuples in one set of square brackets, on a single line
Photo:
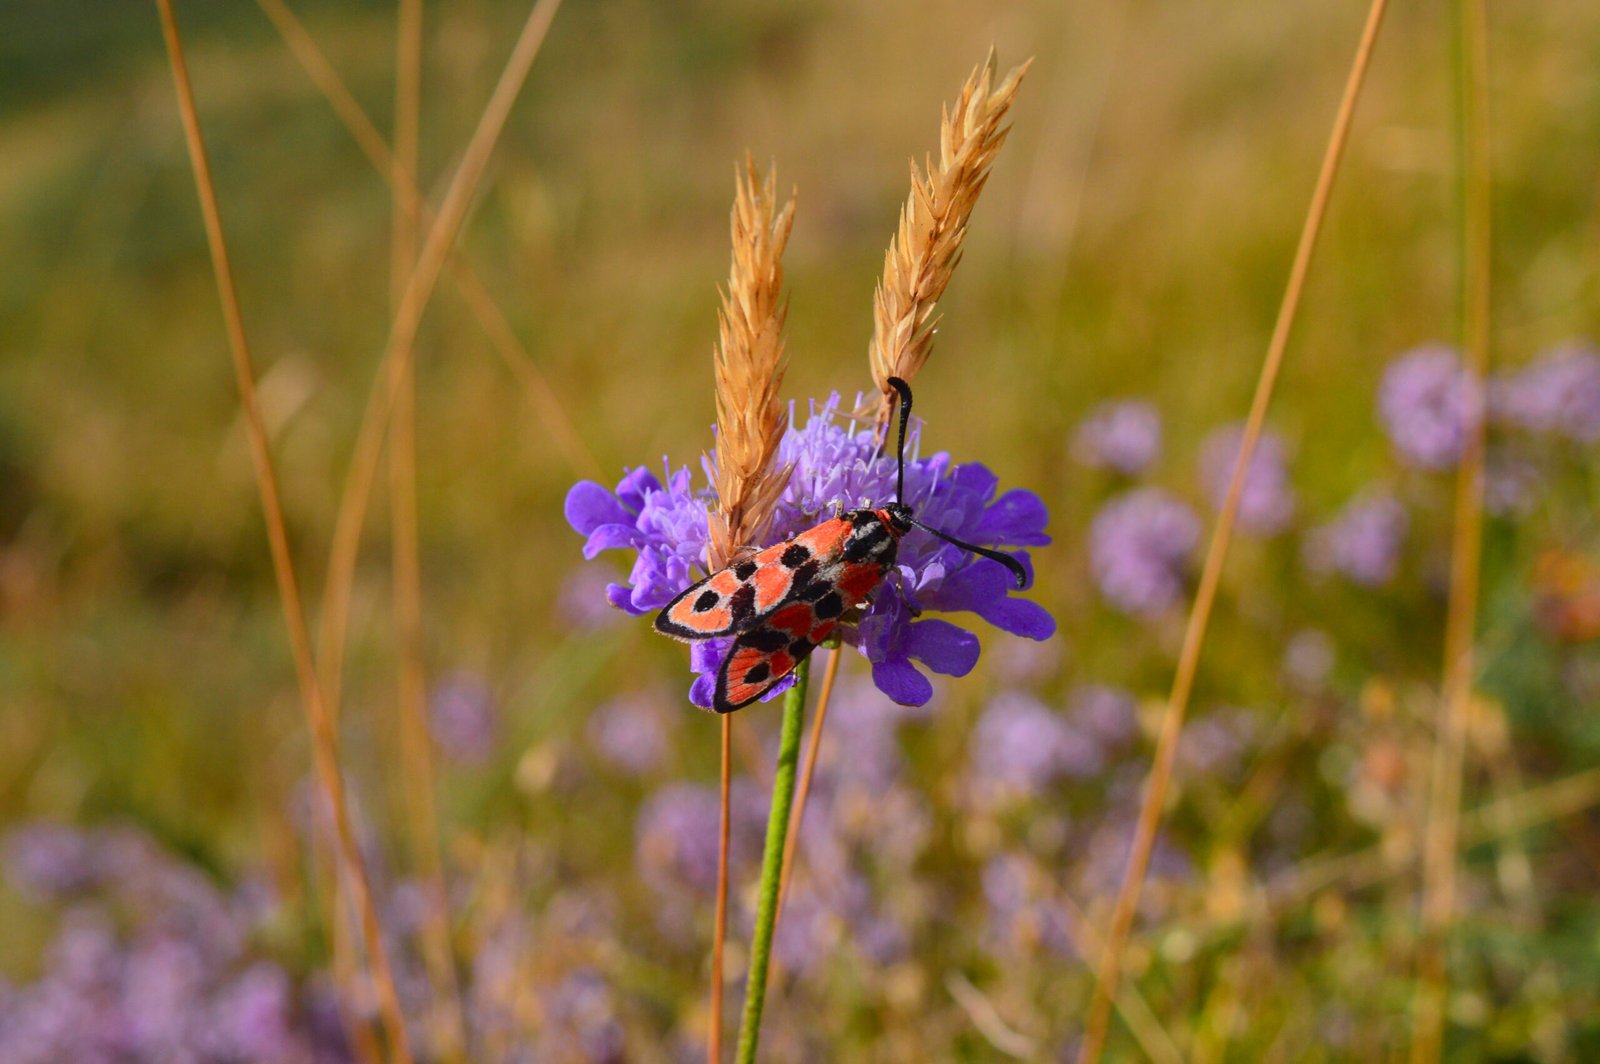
[(749, 367), (927, 245), (416, 747), (324, 743), (397, 352), (719, 933), (1450, 736), (554, 421), (1109, 969)]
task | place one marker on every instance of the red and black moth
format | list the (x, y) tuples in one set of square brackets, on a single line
[(780, 603)]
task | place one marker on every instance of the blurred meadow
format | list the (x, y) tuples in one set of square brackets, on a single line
[(164, 895)]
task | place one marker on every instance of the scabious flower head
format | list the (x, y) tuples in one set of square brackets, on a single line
[(1362, 543), (1020, 747), (1266, 503), (835, 466), (1123, 435), (1139, 544), (1426, 399), (1108, 713), (1557, 394)]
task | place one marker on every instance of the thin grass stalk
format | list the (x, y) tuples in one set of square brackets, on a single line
[(824, 697), (553, 418), (416, 748), (719, 933), (748, 365), (1450, 734), (794, 703), (323, 739), (397, 352), (1109, 969), (926, 246)]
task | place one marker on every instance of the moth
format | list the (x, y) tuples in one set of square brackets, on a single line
[(780, 603)]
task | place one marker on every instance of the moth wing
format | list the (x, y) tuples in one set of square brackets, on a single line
[(733, 599), (765, 654)]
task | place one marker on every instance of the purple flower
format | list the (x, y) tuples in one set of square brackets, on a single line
[(1511, 484), (835, 466), (1139, 544), (630, 733), (1556, 395), (50, 861), (1123, 435), (1362, 543), (465, 722), (1019, 747), (1109, 713), (1427, 400), (1267, 501), (1018, 915), (1308, 659)]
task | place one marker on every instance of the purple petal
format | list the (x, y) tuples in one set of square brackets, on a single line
[(621, 596), (901, 681), (589, 506), (1020, 617), (943, 647), (1018, 517), (701, 690), (609, 537), (972, 587), (633, 485), (976, 478)]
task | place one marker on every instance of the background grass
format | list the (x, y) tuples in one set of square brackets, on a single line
[(1133, 241)]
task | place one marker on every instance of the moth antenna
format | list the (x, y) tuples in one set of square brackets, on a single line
[(905, 419), (1004, 559)]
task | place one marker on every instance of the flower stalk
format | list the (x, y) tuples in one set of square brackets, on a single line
[(794, 703)]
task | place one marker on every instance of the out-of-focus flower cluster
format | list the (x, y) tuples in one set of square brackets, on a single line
[(835, 466), (1143, 540)]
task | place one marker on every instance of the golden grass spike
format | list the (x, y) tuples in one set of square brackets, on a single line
[(927, 243), (749, 365)]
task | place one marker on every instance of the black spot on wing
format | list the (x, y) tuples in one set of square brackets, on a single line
[(828, 606), (757, 673), (745, 569), (765, 639), (799, 648), (795, 555), (707, 601), (742, 604)]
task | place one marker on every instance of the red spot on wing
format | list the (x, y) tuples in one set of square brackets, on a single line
[(857, 581)]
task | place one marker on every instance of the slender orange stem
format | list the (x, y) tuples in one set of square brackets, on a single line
[(554, 421), (825, 696), (1109, 970), (397, 353), (1450, 735), (719, 933), (416, 747), (324, 742)]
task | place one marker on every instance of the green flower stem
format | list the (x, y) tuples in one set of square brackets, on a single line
[(794, 705)]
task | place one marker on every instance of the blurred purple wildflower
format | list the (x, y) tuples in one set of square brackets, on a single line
[(46, 862), (1308, 659), (834, 467), (1139, 544), (1426, 399), (630, 733), (1109, 713), (465, 722), (1266, 503), (1020, 747), (1362, 542), (1123, 435), (151, 964), (1018, 917), (1511, 483), (1558, 394)]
